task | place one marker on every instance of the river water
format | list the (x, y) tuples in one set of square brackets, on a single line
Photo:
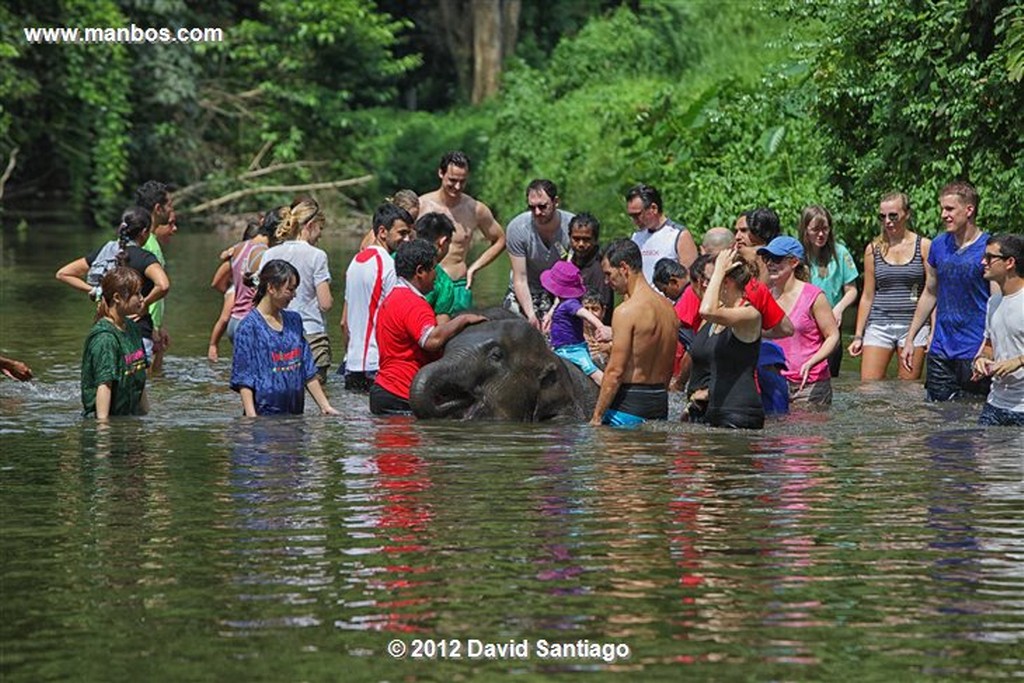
[(881, 541)]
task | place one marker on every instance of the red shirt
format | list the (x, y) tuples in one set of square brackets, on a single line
[(757, 293), (403, 325), (688, 309), (760, 297)]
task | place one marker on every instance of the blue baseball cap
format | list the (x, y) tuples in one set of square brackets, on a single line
[(784, 245)]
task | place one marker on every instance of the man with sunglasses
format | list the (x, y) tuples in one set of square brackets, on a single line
[(657, 235), (957, 291), (1001, 356), (535, 240)]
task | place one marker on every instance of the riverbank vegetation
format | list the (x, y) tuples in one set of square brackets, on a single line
[(723, 106)]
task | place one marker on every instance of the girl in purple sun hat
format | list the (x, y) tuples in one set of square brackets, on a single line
[(564, 282)]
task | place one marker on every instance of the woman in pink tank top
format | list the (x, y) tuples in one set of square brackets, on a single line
[(815, 333)]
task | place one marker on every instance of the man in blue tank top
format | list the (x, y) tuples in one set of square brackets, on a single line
[(956, 289)]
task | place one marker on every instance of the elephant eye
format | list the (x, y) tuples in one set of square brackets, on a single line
[(495, 354), (549, 377)]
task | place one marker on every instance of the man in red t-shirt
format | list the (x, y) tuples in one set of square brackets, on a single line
[(408, 336)]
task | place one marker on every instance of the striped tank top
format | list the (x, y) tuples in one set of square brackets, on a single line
[(897, 288)]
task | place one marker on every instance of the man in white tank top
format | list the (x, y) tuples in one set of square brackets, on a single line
[(657, 235)]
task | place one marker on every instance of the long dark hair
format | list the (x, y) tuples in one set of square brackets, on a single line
[(134, 222), (277, 273)]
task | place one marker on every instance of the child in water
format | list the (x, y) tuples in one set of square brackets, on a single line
[(114, 362), (598, 349), (272, 362), (563, 281)]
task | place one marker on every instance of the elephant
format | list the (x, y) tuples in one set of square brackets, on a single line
[(502, 370)]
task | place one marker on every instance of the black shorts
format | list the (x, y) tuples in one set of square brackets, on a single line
[(359, 381), (948, 379), (383, 402), (647, 401)]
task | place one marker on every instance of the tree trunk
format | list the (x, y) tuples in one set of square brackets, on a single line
[(509, 28), (495, 31), (457, 20)]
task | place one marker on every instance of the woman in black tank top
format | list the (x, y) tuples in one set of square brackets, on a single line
[(734, 400)]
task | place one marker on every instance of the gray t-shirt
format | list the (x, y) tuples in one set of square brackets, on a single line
[(522, 240), (312, 266)]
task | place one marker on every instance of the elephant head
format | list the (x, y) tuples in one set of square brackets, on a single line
[(502, 370)]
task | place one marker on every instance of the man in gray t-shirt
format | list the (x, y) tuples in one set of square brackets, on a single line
[(535, 240)]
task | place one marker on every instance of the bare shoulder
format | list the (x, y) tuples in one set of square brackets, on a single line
[(430, 202), (625, 313)]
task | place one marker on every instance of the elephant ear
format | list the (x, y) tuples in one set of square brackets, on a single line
[(564, 391), (551, 397)]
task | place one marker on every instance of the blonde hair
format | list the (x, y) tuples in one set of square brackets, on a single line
[(295, 217), (880, 244), (408, 200)]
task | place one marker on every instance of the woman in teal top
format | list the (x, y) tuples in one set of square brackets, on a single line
[(831, 266)]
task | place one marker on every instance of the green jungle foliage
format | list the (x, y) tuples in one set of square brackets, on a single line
[(722, 106), (913, 95), (827, 103), (661, 99)]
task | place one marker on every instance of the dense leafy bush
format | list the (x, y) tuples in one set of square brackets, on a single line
[(402, 148), (914, 95)]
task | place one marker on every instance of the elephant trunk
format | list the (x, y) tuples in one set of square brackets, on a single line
[(437, 392)]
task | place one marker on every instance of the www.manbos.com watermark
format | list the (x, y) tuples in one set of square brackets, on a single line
[(130, 34)]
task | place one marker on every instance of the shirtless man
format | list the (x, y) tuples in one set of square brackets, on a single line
[(643, 344), (468, 215)]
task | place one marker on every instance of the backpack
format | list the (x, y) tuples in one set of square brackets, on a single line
[(105, 261)]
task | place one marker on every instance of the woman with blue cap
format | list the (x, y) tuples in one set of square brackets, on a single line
[(816, 334)]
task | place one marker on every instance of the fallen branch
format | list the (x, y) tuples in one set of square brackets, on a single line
[(255, 163), (12, 160), (309, 187), (280, 167), (183, 192)]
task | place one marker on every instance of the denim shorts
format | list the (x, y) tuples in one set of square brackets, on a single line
[(991, 415), (578, 355), (893, 335)]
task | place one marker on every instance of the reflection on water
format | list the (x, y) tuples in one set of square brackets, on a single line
[(881, 541)]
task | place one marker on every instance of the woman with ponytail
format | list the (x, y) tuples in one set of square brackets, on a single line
[(272, 363), (114, 361), (125, 251), (299, 233)]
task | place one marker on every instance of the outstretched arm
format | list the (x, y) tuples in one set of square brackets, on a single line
[(622, 350), (15, 369), (440, 335)]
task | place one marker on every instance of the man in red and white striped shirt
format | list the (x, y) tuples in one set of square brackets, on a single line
[(369, 278)]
